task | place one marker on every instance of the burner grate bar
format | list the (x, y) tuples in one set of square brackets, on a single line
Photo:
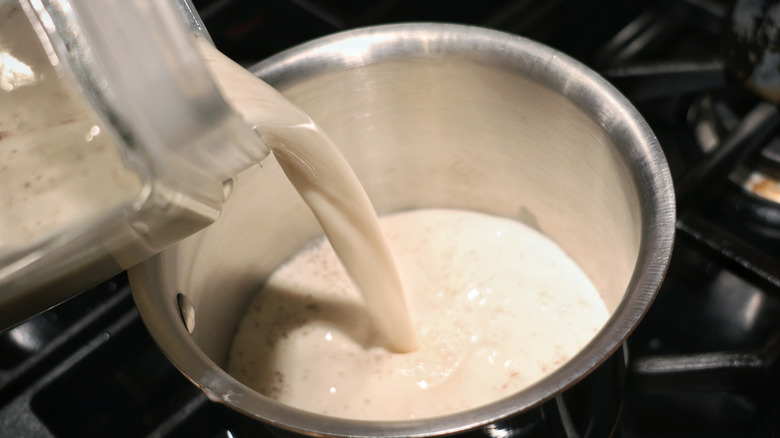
[(169, 427), (667, 79), (642, 34), (744, 259), (700, 183)]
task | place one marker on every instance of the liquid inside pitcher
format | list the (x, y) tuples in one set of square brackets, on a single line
[(105, 159)]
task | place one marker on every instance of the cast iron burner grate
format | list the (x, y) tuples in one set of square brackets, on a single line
[(704, 361)]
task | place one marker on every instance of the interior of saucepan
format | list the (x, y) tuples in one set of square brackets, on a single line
[(427, 133), (455, 130)]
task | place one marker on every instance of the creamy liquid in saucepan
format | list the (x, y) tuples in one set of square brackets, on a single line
[(496, 304), (490, 305)]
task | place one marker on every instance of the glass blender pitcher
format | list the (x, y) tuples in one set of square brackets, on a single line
[(114, 142)]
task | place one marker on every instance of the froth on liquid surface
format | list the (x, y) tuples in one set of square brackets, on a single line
[(496, 305)]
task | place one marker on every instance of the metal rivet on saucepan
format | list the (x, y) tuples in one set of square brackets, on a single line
[(186, 311), (227, 187)]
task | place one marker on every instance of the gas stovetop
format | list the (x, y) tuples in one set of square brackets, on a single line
[(703, 362)]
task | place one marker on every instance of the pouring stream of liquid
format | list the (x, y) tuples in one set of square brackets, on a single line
[(327, 183)]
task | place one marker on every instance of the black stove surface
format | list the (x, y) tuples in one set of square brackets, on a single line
[(703, 362)]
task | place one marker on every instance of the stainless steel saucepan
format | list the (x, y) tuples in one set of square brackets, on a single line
[(431, 115)]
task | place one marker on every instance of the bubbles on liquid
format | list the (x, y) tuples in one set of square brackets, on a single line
[(92, 133)]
